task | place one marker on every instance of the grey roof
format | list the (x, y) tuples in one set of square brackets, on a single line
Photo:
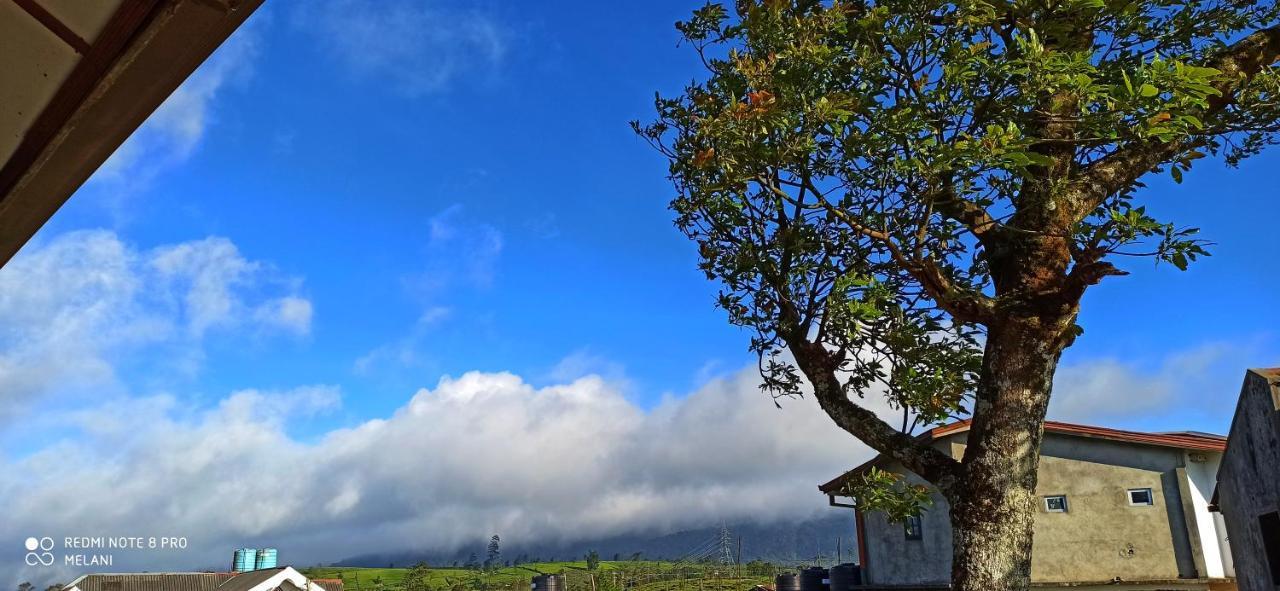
[(1194, 434), (249, 580), (152, 582)]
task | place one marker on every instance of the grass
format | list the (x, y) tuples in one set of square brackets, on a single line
[(644, 575)]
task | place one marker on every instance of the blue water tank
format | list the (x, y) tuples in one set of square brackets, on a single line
[(244, 560), (266, 558)]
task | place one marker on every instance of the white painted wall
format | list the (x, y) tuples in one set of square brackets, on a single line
[(1203, 476)]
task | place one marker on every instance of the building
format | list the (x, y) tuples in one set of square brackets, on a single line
[(1114, 507), (274, 579), (1248, 493)]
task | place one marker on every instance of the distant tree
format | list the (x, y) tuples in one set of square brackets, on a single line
[(54, 587), (494, 552), (473, 562), (593, 560), (25, 587), (617, 557), (418, 578), (910, 198)]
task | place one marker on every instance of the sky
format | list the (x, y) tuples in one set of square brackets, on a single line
[(400, 276)]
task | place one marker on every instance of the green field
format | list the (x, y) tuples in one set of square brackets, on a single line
[(609, 576)]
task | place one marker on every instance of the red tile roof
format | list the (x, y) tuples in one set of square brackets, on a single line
[(1190, 440)]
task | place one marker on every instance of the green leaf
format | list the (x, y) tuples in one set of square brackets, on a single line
[(1148, 90)]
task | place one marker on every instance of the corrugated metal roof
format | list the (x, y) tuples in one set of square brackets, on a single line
[(152, 582), (249, 580), (329, 584), (1189, 440)]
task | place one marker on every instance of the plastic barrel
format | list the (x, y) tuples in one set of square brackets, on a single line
[(787, 582), (814, 578), (845, 576)]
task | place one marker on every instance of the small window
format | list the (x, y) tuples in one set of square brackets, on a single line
[(1055, 503), (913, 527), (1141, 496)]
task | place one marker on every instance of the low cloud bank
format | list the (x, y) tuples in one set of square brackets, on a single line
[(476, 454)]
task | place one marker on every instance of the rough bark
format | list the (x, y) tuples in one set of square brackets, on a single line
[(993, 502)]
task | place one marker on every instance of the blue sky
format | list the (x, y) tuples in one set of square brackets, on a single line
[(344, 207), (335, 171)]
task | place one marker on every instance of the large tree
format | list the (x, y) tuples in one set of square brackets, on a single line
[(908, 198)]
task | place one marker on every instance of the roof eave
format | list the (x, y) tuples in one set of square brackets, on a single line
[(156, 46)]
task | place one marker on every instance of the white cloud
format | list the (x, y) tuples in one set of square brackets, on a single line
[(404, 351), (290, 313), (172, 133), (1136, 391), (459, 254), (73, 308), (418, 46), (476, 454), (584, 362)]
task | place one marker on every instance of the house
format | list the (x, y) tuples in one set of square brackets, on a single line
[(1115, 507), (1248, 493), (273, 579)]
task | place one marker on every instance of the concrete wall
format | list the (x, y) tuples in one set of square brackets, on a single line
[(894, 560), (1249, 479), (1100, 537)]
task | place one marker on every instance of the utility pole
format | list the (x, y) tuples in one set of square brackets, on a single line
[(739, 557)]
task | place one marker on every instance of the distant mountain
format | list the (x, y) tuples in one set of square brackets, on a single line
[(783, 542)]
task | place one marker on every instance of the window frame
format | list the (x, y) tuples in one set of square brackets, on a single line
[(1066, 505), (1151, 497), (910, 533)]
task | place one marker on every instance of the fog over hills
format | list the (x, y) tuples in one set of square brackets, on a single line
[(788, 542)]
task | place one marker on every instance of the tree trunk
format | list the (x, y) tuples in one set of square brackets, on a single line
[(994, 501)]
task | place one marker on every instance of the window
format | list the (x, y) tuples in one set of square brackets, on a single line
[(1270, 525), (1141, 496), (913, 527), (1055, 503)]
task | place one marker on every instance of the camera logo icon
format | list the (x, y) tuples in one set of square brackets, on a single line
[(38, 551)]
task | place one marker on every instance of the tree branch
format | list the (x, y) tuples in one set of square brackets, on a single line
[(1239, 63), (821, 366), (963, 305), (971, 215)]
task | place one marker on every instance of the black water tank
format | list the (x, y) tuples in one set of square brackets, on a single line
[(845, 576), (814, 578), (548, 583), (786, 582)]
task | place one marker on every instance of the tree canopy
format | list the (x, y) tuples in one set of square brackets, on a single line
[(878, 185)]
